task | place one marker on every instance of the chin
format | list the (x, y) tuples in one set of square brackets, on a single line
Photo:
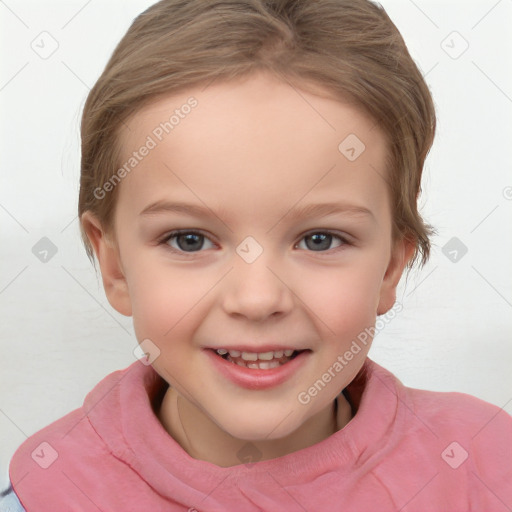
[(258, 429)]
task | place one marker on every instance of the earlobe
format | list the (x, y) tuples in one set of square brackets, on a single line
[(401, 255), (107, 254)]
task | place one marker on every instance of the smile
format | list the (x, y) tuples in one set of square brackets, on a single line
[(258, 360), (258, 370)]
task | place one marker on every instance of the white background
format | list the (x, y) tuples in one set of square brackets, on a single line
[(58, 334)]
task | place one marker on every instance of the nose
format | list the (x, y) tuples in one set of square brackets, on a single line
[(256, 291)]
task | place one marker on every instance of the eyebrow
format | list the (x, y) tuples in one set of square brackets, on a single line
[(310, 210)]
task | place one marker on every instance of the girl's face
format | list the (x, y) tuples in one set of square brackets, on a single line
[(281, 200)]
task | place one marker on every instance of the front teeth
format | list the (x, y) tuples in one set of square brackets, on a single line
[(255, 356)]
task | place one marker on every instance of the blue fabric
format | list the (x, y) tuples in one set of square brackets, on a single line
[(9, 502)]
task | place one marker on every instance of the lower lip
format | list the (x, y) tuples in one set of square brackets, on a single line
[(258, 379)]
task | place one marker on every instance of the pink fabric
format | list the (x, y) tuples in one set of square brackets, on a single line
[(399, 452)]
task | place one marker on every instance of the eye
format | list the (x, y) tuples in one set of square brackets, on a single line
[(185, 241), (320, 241)]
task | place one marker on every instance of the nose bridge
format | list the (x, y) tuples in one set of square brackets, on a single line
[(254, 288)]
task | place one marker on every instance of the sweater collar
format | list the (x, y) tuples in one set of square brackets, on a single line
[(121, 408)]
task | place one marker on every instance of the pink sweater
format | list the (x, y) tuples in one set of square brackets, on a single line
[(405, 449)]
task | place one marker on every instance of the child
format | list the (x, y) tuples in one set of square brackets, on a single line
[(260, 131)]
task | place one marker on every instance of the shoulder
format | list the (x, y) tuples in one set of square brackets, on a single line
[(442, 418), (42, 457), (457, 444), (444, 411), (66, 450), (459, 411), (464, 431), (86, 453), (446, 415)]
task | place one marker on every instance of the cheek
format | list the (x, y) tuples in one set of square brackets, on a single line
[(168, 304), (344, 301)]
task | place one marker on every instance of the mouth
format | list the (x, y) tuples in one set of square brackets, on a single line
[(258, 370), (258, 360)]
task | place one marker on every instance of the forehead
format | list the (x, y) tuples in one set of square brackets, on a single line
[(251, 142)]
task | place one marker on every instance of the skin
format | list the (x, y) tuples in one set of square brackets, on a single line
[(251, 151)]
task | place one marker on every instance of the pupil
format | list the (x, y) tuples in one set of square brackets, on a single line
[(191, 241), (321, 239)]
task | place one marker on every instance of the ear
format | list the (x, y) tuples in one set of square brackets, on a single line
[(107, 253), (401, 253)]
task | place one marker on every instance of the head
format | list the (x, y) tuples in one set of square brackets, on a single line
[(255, 111)]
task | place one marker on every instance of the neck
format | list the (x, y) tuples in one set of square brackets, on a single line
[(203, 439)]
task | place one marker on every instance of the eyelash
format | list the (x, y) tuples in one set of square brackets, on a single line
[(173, 234)]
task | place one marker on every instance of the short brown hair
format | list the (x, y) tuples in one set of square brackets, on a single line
[(349, 47)]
